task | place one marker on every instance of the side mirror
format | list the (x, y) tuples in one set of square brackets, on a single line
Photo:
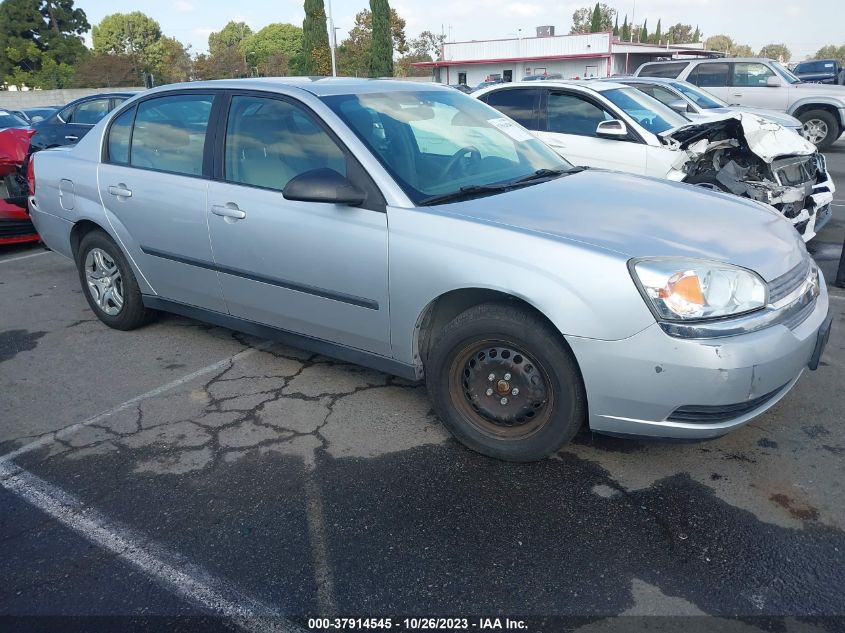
[(323, 185), (678, 105), (614, 128), (773, 82)]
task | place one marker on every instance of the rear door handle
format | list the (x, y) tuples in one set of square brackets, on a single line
[(228, 210), (121, 191), (71, 137), (737, 94)]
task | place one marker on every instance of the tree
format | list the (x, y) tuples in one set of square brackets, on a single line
[(680, 33), (625, 35), (582, 19), (316, 56), (742, 50), (228, 63), (381, 47), (643, 37), (616, 27), (133, 34), (353, 53), (777, 52), (696, 37), (172, 61), (657, 37), (102, 70), (230, 36), (271, 50), (595, 20), (424, 48), (40, 41), (721, 43), (831, 52)]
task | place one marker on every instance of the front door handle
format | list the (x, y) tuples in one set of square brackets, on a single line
[(228, 210), (71, 137), (737, 94), (121, 191)]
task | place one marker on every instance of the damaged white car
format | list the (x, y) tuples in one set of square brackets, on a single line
[(613, 126)]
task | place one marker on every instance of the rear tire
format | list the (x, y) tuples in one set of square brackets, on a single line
[(535, 401), (109, 284), (820, 128)]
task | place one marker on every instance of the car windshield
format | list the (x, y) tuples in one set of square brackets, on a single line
[(441, 142), (7, 119), (645, 110), (702, 99), (785, 73)]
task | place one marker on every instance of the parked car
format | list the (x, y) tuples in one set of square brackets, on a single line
[(820, 71), (462, 87), (614, 126), (9, 119), (417, 231), (15, 224), (697, 104), (72, 122), (762, 83), (484, 84)]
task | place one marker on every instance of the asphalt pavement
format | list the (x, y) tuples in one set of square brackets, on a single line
[(187, 477)]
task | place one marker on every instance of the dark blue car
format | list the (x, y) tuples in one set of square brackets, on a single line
[(820, 71), (73, 121)]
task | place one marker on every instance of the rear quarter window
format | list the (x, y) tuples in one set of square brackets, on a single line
[(119, 135)]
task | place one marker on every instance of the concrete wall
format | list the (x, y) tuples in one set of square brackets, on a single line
[(17, 99)]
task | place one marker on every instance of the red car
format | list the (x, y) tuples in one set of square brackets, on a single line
[(15, 225)]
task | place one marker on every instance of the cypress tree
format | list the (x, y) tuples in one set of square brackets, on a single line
[(626, 30), (616, 27), (643, 33), (316, 55), (381, 45), (696, 37), (595, 22), (657, 34)]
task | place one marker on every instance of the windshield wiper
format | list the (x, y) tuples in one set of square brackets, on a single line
[(464, 193), (545, 174)]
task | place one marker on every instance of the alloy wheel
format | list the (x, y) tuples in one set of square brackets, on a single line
[(105, 283)]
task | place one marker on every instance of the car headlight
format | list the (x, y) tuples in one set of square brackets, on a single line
[(688, 289)]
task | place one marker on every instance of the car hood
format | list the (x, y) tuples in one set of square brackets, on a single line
[(766, 139), (781, 118), (644, 217), (828, 90)]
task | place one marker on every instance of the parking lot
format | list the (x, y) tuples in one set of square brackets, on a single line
[(188, 470)]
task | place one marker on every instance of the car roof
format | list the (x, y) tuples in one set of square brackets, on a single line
[(318, 86), (599, 85), (710, 60)]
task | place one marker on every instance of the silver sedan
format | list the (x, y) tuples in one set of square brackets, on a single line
[(418, 231)]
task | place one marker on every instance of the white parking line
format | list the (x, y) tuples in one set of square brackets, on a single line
[(19, 257), (73, 428), (165, 567)]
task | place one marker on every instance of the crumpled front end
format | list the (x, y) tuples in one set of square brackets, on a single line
[(761, 160), (15, 224)]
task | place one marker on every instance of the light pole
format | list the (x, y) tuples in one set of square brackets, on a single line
[(333, 39)]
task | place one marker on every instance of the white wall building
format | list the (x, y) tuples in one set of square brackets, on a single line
[(572, 56)]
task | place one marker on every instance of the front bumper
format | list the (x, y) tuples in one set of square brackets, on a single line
[(638, 385)]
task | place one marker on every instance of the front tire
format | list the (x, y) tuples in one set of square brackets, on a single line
[(820, 128), (505, 383), (109, 284)]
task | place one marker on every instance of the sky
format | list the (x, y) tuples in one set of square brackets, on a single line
[(803, 26)]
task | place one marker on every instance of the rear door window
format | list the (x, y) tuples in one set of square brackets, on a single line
[(670, 71), (169, 133), (710, 75), (520, 104)]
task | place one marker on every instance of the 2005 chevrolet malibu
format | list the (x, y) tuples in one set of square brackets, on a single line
[(416, 231)]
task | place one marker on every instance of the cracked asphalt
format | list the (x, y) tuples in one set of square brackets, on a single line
[(319, 487)]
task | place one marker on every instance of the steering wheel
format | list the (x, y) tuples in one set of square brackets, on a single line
[(458, 158)]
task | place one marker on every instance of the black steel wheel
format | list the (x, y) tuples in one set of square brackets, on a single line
[(505, 383)]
